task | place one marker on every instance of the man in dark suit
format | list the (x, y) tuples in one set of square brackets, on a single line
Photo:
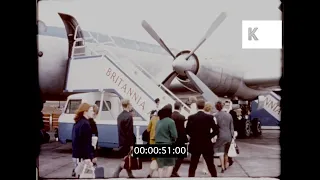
[(179, 120), (199, 128), (125, 134)]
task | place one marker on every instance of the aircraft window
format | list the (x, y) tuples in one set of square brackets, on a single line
[(94, 35), (85, 34), (142, 46), (151, 48), (148, 47), (119, 41), (104, 38), (131, 44), (104, 107), (157, 49), (72, 106)]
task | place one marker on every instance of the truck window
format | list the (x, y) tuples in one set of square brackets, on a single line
[(104, 107), (72, 106)]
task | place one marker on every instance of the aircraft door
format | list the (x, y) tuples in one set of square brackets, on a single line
[(73, 31)]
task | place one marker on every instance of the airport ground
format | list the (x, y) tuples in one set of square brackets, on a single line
[(259, 157)]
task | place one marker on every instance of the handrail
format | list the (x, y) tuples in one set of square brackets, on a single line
[(161, 85), (146, 72), (115, 58)]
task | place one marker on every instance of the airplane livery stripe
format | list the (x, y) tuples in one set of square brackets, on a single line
[(109, 40)]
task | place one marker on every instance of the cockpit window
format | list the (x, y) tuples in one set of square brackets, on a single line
[(42, 26)]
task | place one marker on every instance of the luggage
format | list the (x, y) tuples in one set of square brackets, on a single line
[(87, 170), (99, 172), (131, 163)]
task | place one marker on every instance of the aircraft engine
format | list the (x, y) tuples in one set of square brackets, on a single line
[(224, 83), (185, 63)]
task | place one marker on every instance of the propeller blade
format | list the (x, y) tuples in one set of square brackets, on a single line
[(207, 94), (167, 81), (212, 28), (156, 37)]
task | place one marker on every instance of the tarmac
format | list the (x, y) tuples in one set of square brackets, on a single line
[(259, 157)]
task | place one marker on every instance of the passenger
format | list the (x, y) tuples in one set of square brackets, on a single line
[(208, 109), (126, 135), (94, 130), (157, 101), (82, 135), (182, 139), (203, 165), (235, 126), (166, 133), (193, 110), (152, 131), (199, 128), (133, 114), (193, 106), (226, 132)]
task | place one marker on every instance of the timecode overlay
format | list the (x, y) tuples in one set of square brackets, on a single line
[(165, 150)]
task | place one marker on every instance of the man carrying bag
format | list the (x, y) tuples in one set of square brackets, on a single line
[(131, 163), (126, 136)]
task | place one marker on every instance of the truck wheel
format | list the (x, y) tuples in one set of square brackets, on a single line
[(256, 127), (245, 128), (56, 133)]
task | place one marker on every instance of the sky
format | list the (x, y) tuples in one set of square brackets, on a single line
[(180, 23)]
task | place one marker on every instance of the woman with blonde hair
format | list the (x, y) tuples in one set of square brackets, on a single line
[(207, 109), (151, 129), (81, 134)]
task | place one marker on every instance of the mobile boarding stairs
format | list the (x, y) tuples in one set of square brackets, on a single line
[(92, 67)]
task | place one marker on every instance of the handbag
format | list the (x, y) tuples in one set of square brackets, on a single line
[(85, 170), (146, 136), (131, 163), (232, 149)]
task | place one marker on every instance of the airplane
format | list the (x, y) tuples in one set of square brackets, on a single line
[(178, 69)]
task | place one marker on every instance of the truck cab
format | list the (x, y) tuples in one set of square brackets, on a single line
[(109, 108)]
